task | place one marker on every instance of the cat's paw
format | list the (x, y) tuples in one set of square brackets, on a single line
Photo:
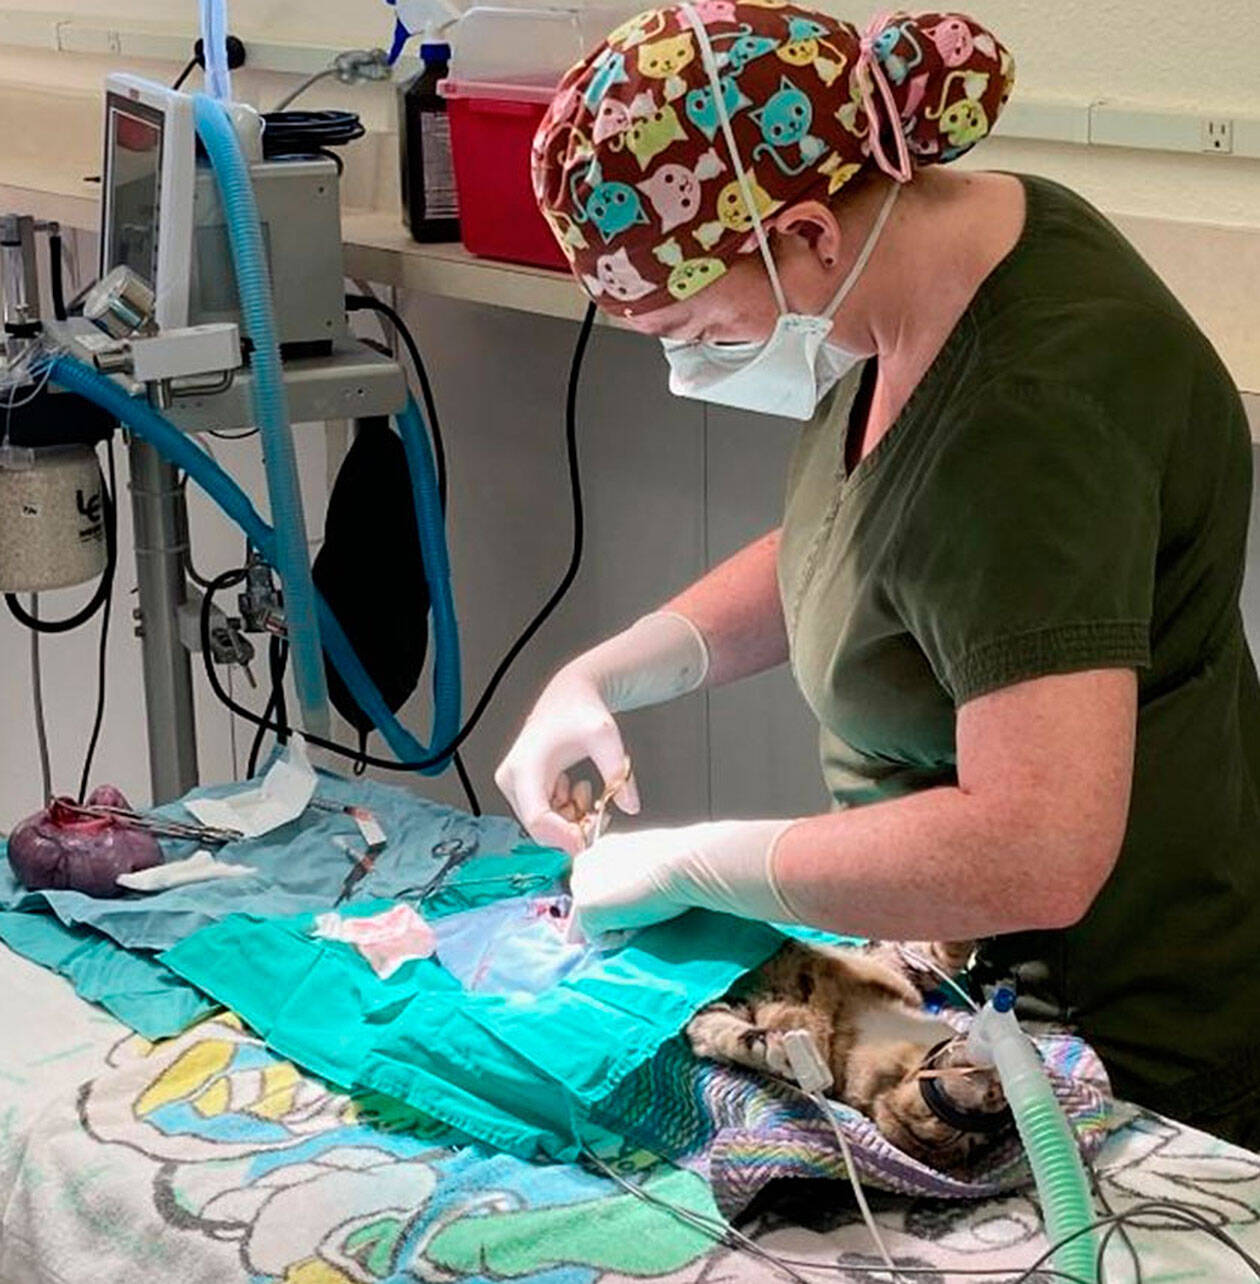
[(723, 1032), (715, 1032), (765, 1050)]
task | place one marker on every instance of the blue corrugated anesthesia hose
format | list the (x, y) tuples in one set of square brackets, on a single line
[(270, 406), (136, 414)]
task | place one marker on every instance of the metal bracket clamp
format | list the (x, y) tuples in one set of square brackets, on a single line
[(261, 606), (228, 643)]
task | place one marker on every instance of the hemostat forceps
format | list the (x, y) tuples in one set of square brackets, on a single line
[(452, 852), (595, 822), (593, 825)]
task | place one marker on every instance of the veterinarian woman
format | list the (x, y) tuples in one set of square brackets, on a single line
[(1007, 576)]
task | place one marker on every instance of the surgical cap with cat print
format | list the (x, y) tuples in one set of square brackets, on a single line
[(632, 164)]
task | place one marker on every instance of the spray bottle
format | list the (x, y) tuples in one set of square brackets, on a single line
[(995, 1039)]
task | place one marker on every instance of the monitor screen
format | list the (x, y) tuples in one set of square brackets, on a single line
[(133, 174)]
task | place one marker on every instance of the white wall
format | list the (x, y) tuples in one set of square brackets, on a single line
[(1159, 54), (1161, 51), (348, 23), (1162, 55)]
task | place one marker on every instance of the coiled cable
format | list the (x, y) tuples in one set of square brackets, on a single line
[(288, 134)]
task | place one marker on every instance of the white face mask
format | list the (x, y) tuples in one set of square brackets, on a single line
[(787, 374), (791, 371)]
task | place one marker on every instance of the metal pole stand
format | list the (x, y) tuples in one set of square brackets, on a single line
[(160, 521)]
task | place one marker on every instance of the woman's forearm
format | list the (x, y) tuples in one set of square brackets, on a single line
[(737, 608), (1025, 841), (934, 865)]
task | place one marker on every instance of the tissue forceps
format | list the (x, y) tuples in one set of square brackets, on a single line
[(158, 826)]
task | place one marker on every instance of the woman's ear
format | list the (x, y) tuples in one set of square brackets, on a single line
[(816, 225)]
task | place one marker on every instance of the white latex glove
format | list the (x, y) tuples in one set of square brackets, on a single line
[(631, 880), (658, 658)]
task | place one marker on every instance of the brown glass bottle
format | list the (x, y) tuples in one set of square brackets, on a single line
[(430, 206)]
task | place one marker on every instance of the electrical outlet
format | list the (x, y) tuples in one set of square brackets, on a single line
[(1217, 134)]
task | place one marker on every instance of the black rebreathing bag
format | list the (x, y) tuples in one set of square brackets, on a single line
[(371, 571)]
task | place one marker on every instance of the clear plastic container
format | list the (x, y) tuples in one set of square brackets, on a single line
[(524, 44), (506, 62)]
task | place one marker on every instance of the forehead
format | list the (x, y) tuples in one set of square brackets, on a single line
[(668, 320), (727, 297)]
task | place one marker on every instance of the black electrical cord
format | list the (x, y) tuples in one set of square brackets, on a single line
[(56, 281), (1100, 1195), (234, 49), (232, 436), (277, 660), (365, 302), (193, 573), (186, 559), (103, 648), (178, 82), (98, 599), (37, 700), (465, 780), (260, 734), (526, 636)]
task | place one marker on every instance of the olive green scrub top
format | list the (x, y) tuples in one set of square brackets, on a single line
[(1067, 489)]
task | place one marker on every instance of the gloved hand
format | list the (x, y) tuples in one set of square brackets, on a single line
[(658, 658), (631, 880)]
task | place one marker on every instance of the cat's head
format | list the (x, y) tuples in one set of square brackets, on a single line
[(946, 1111)]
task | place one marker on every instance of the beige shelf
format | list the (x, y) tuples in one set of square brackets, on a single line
[(377, 248)]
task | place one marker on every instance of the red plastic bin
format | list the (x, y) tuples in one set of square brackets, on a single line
[(492, 128)]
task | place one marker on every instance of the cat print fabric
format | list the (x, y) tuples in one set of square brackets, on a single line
[(632, 166)]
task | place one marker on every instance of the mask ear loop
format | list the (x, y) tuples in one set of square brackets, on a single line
[(741, 175), (864, 257)]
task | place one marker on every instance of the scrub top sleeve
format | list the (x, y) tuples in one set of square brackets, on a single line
[(1028, 543)]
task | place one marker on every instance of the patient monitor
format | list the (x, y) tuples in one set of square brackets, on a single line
[(162, 218)]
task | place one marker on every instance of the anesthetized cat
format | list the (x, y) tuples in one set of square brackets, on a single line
[(906, 1071)]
